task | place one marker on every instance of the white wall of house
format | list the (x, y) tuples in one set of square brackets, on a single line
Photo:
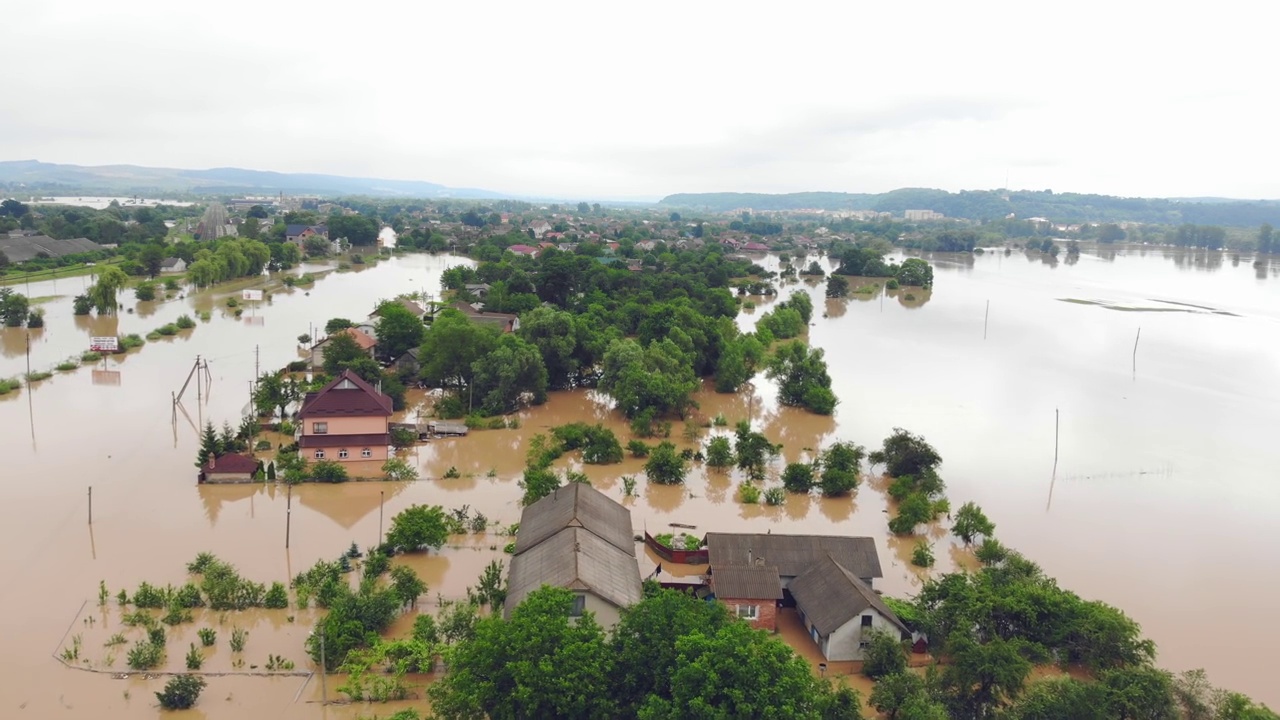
[(845, 643), (607, 614)]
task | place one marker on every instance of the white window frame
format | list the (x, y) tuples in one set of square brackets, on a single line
[(320, 428), (748, 612), (342, 454), (366, 453), (319, 454)]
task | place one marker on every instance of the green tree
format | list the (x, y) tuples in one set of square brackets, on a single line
[(802, 378), (983, 676), (336, 324), (906, 696), (508, 374), (275, 391), (209, 445), (1266, 241), (103, 292), (644, 644), (736, 672), (1141, 692), (837, 286), (340, 351), (665, 466), (906, 454), (1110, 233), (884, 655), (398, 330), (537, 483), (316, 246), (417, 527), (151, 257), (181, 692), (257, 211), (719, 452), (451, 348), (658, 377), (798, 477), (14, 307), (915, 272), (1061, 697), (970, 522), (355, 229), (753, 451), (538, 664), (840, 465)]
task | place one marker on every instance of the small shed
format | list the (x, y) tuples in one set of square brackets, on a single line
[(228, 468)]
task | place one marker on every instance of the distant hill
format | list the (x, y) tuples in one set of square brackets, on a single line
[(997, 204), (53, 178)]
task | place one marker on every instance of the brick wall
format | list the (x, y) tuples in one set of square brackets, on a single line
[(766, 616)]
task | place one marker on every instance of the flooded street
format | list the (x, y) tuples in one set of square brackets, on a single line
[(1160, 505)]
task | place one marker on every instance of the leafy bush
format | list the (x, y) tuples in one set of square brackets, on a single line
[(89, 356), (184, 322), (884, 655), (145, 291), (66, 365), (719, 452), (208, 636), (922, 554), (167, 330), (277, 597), (181, 692), (131, 341), (774, 496), (748, 493), (398, 470), (417, 527), (665, 466), (328, 471), (194, 658), (798, 478), (637, 449), (145, 655)]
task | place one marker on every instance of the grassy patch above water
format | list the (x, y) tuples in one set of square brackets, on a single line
[(8, 385), (37, 376)]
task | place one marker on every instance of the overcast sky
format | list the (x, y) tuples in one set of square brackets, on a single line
[(601, 100)]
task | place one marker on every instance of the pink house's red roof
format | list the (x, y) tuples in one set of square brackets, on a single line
[(233, 463), (348, 394)]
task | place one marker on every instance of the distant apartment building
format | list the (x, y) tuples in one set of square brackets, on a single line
[(918, 215)]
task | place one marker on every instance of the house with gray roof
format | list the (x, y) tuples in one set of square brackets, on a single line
[(840, 611), (577, 538), (794, 554)]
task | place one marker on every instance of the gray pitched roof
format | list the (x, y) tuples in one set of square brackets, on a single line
[(576, 505), (793, 554), (831, 595), (755, 582), (576, 559)]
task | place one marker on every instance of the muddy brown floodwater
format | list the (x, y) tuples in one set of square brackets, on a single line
[(1161, 503)]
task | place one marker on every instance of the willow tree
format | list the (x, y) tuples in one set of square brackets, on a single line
[(103, 293)]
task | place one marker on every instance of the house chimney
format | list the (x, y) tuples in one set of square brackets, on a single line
[(750, 557), (213, 461)]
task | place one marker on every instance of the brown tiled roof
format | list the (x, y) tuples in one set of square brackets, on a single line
[(576, 505), (361, 337), (348, 394), (831, 595), (347, 441), (793, 554), (577, 559), (231, 463), (755, 582)]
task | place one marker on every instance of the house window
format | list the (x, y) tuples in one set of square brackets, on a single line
[(320, 428), (748, 612), (319, 454), (866, 621), (366, 453), (579, 605), (342, 454)]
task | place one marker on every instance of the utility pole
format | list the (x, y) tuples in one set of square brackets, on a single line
[(288, 515), (986, 315), (256, 372), (199, 395), (324, 671), (90, 504)]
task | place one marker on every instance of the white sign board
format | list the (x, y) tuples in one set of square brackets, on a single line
[(255, 295), (104, 344)]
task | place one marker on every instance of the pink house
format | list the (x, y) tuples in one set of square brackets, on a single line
[(524, 250), (346, 421)]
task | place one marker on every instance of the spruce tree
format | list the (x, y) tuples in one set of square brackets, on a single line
[(208, 445)]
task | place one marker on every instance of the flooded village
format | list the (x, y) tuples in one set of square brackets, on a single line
[(1131, 473)]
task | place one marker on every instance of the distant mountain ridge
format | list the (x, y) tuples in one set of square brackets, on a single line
[(998, 204), (54, 178)]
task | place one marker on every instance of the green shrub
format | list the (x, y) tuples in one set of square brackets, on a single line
[(208, 636), (131, 341), (168, 330), (922, 554), (184, 322), (637, 449), (277, 597), (748, 493), (232, 302), (37, 376), (8, 386), (181, 692), (90, 356), (194, 658), (145, 291), (774, 496), (329, 471), (66, 365), (145, 655)]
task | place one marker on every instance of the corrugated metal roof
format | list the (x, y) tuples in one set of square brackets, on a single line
[(759, 582), (577, 559), (576, 505), (794, 554), (831, 595)]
